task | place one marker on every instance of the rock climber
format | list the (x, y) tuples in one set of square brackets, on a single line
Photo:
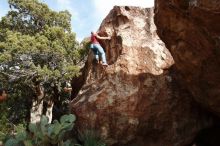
[(97, 48)]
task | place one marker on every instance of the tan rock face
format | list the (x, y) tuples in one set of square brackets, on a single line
[(136, 99), (191, 32)]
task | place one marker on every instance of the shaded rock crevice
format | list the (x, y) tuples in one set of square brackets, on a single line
[(208, 136)]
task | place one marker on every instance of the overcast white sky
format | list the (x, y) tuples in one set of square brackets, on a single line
[(86, 14)]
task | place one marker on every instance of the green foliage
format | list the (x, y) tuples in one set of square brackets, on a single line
[(5, 127), (56, 134), (12, 113), (32, 16), (36, 43), (37, 48), (84, 48), (45, 134), (15, 109), (90, 138)]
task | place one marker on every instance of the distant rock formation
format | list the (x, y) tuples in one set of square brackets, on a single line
[(191, 32), (136, 100)]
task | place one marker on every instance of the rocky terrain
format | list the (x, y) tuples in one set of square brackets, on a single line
[(140, 98), (190, 30)]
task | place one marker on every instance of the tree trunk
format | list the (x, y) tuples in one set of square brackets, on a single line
[(37, 106), (49, 112)]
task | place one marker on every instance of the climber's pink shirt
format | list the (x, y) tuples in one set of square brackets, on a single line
[(94, 39)]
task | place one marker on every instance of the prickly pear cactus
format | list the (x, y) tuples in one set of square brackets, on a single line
[(45, 134)]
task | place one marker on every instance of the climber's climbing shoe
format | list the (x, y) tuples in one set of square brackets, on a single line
[(104, 64)]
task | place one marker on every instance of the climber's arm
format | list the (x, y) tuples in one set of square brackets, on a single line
[(103, 38)]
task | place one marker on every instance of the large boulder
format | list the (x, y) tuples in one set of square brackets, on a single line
[(136, 99), (190, 30)]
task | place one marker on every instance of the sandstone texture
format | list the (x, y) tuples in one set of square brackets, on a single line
[(136, 100), (190, 30)]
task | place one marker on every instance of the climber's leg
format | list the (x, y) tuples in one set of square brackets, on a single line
[(95, 52), (102, 52)]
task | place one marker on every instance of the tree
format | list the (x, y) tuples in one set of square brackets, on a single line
[(38, 52)]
